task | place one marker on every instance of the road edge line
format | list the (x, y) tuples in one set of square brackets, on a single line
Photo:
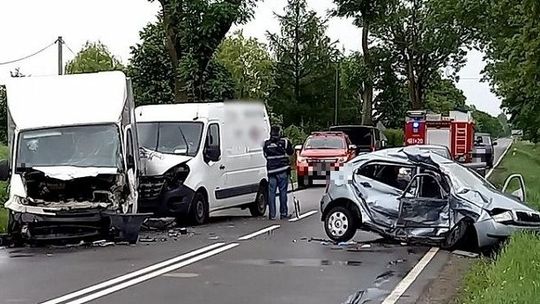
[(411, 277), (133, 274), (151, 275), (500, 159), (259, 232)]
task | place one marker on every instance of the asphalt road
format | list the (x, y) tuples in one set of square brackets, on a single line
[(290, 262)]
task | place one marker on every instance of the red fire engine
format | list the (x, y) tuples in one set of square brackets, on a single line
[(455, 131)]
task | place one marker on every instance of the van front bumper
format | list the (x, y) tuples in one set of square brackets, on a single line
[(167, 201)]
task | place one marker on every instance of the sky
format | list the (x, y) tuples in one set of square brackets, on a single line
[(26, 26)]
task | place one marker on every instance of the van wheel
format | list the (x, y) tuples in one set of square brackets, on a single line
[(340, 224), (199, 209), (258, 208)]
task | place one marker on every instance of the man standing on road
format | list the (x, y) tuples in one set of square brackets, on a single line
[(277, 150)]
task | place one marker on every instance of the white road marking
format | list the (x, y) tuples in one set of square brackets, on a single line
[(411, 276), (303, 216), (132, 274), (152, 275), (418, 268), (256, 233), (499, 160)]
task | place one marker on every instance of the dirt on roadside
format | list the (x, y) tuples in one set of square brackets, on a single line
[(444, 289)]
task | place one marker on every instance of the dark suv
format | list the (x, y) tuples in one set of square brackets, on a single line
[(483, 145), (365, 138)]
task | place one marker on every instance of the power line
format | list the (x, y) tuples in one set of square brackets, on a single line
[(28, 56), (69, 49)]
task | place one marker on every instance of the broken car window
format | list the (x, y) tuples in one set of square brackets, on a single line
[(82, 146), (392, 175), (430, 188)]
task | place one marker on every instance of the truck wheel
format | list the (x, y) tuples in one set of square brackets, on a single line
[(258, 208), (199, 209), (14, 231), (340, 224)]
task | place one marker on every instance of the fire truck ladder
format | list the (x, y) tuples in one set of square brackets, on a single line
[(461, 139)]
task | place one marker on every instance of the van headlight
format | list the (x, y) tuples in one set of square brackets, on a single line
[(503, 217)]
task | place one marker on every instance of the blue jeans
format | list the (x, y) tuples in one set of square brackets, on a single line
[(277, 181)]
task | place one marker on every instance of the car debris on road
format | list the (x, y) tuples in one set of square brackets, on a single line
[(416, 197)]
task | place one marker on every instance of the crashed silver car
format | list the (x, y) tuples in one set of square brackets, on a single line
[(415, 196)]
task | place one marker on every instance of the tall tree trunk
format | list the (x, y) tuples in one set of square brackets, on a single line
[(297, 55), (179, 85), (367, 96), (414, 92)]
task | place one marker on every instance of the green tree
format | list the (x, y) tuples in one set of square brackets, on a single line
[(193, 31), (250, 65), (366, 14), (154, 76), (443, 96), (486, 123), (3, 115), (508, 33), (425, 39), (93, 57), (305, 67), (390, 104)]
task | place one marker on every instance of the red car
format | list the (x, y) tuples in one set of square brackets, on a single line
[(321, 153)]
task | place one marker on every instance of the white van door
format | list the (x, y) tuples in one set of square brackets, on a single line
[(214, 179)]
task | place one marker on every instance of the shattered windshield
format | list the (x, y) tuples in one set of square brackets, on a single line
[(463, 178), (81, 146), (325, 143), (181, 138)]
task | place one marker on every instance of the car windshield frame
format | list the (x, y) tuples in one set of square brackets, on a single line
[(435, 150), (191, 150), (342, 140), (33, 134)]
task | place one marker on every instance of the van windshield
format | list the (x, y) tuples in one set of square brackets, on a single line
[(80, 146), (181, 138)]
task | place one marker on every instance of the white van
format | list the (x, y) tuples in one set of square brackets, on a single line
[(73, 159), (197, 158)]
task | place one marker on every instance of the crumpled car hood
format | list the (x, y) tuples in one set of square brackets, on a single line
[(66, 173), (155, 163)]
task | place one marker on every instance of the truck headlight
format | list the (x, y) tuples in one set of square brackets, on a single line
[(503, 217)]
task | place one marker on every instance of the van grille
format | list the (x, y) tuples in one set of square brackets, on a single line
[(150, 187)]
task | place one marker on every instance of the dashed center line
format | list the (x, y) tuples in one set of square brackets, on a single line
[(309, 213), (256, 233)]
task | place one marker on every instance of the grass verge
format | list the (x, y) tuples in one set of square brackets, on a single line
[(514, 275)]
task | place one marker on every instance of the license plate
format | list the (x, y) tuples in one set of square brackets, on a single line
[(480, 151)]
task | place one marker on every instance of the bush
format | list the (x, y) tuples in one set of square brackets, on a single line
[(396, 137), (296, 135)]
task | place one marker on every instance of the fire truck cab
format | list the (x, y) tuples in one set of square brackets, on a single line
[(455, 131)]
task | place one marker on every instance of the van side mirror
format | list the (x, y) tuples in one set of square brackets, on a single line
[(4, 170), (212, 153), (352, 147), (494, 143), (298, 147)]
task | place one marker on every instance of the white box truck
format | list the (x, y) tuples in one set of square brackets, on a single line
[(197, 158), (73, 158)]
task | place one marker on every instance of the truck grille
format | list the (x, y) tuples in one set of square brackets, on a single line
[(150, 187), (526, 217)]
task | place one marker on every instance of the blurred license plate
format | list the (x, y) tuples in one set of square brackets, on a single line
[(480, 151)]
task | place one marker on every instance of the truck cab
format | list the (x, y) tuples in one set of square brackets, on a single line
[(73, 158)]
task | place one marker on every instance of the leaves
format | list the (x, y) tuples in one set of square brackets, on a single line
[(92, 58)]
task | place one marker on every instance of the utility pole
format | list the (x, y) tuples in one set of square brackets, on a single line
[(59, 43), (337, 95)]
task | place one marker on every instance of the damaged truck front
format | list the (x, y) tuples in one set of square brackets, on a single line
[(72, 158)]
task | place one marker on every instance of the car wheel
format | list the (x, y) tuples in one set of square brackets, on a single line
[(199, 209), (301, 182), (258, 208), (340, 224), (456, 236)]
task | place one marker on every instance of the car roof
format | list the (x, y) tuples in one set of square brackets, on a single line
[(405, 155), (328, 133), (354, 126), (483, 134)]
